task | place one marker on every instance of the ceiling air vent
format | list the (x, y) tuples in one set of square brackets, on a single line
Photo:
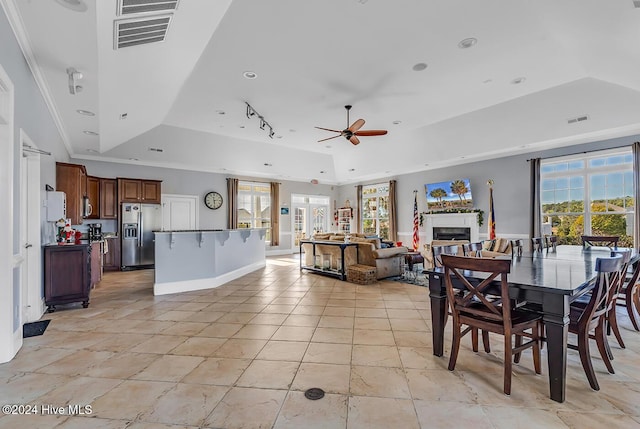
[(155, 149), (128, 7), (139, 31), (578, 119)]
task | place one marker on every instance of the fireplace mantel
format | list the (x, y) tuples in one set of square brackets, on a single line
[(460, 220)]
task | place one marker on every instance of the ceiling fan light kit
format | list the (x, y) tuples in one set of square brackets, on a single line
[(352, 132)]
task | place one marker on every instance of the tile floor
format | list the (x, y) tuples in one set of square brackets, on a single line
[(242, 355)]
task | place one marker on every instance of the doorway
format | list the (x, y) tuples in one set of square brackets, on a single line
[(310, 216), (30, 271)]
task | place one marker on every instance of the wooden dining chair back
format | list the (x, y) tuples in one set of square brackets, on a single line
[(472, 249), (619, 281), (516, 247), (597, 240), (584, 318), (537, 244), (481, 305), (629, 296), (438, 251)]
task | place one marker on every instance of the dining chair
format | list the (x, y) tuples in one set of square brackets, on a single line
[(516, 247), (629, 296), (438, 251), (620, 279), (480, 306), (551, 241), (597, 240), (584, 318), (472, 249), (537, 244)]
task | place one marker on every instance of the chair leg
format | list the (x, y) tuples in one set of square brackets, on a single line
[(613, 322), (485, 341), (628, 303), (585, 358), (474, 339), (601, 340), (508, 355), (455, 346), (536, 349), (516, 357)]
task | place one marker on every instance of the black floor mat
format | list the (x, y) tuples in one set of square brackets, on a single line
[(35, 328)]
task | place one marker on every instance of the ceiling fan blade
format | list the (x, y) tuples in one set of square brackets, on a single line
[(370, 133), (356, 125), (354, 140), (328, 129), (329, 138)]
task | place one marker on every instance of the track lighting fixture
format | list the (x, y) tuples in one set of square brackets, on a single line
[(263, 123), (74, 77)]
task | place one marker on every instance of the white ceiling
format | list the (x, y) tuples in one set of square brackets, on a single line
[(578, 57)]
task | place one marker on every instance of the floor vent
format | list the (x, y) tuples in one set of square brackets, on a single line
[(578, 119), (140, 31), (128, 7)]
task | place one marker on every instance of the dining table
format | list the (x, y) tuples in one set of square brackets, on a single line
[(546, 281)]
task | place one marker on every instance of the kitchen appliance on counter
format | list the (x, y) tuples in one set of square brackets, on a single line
[(95, 232), (138, 240)]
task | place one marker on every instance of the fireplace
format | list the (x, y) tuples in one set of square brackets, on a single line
[(451, 233)]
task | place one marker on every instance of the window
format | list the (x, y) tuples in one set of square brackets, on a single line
[(254, 206), (375, 210), (591, 194)]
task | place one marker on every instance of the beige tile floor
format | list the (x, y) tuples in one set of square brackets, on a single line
[(241, 356)]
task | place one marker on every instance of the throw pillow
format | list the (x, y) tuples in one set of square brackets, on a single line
[(488, 244), (504, 243)]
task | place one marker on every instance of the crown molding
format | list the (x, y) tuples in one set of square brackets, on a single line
[(15, 21)]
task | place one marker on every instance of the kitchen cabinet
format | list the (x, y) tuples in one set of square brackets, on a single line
[(72, 180), (111, 259), (139, 191), (108, 199), (93, 192), (96, 263), (67, 275)]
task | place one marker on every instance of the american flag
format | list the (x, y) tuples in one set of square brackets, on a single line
[(492, 216), (416, 239)]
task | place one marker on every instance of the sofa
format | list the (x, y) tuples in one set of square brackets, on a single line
[(490, 249), (370, 251)]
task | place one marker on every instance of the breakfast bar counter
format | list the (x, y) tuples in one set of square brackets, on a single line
[(203, 259)]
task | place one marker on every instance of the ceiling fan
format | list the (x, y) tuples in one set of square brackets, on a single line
[(352, 132)]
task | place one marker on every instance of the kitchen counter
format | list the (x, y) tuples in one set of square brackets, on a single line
[(203, 259)]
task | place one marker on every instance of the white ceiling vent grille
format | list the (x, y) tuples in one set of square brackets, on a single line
[(139, 31), (577, 119), (128, 7)]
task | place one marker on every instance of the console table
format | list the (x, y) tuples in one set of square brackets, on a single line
[(340, 271)]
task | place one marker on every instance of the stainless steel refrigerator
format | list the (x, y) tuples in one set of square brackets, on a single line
[(138, 240)]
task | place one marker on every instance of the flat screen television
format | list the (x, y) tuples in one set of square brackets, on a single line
[(451, 195)]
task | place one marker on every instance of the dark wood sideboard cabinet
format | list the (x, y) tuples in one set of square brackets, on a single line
[(67, 275)]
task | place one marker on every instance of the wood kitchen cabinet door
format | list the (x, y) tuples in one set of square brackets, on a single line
[(111, 259), (130, 190), (151, 191), (72, 180), (108, 199), (93, 192)]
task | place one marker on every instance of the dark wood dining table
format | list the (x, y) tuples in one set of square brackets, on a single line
[(548, 281)]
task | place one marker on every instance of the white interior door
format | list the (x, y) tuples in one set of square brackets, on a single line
[(179, 212), (310, 215), (30, 215)]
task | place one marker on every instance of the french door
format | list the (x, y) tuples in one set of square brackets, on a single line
[(310, 215)]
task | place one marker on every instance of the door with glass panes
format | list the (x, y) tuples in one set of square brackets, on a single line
[(310, 215)]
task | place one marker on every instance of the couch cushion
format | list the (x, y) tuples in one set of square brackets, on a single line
[(488, 244), (389, 252), (501, 245), (322, 236)]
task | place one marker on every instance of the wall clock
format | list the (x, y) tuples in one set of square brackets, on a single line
[(213, 200)]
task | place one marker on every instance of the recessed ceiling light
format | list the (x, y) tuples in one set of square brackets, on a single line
[(426, 165), (278, 136), (292, 130), (75, 5), (352, 169), (487, 81), (92, 151), (419, 67), (250, 75), (397, 122), (133, 159), (241, 126), (86, 112), (266, 164), (467, 43), (328, 146), (322, 171), (518, 80), (220, 112), (90, 133), (124, 115)]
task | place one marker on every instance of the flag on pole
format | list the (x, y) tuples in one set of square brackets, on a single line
[(416, 238), (492, 216)]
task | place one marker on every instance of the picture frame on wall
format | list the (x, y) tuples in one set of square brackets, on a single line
[(284, 210)]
